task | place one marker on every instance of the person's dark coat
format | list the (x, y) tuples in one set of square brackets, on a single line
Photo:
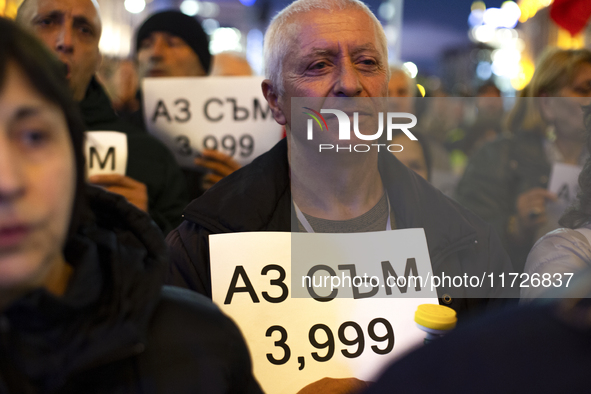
[(258, 198), (116, 329), (496, 175), (541, 349), (148, 161)]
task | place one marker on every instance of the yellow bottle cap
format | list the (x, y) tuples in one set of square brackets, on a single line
[(436, 317)]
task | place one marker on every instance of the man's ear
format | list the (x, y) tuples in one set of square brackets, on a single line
[(272, 98)]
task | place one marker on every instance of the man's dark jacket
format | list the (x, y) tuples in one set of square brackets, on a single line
[(116, 329), (148, 161), (495, 177), (258, 198)]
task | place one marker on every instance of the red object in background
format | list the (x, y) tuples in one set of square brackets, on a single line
[(572, 15)]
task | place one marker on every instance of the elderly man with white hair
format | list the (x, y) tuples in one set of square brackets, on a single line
[(330, 49)]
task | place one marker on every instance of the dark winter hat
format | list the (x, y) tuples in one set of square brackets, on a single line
[(180, 25)]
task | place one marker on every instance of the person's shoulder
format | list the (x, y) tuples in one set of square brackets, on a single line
[(193, 309), (182, 313), (562, 237), (192, 345), (558, 255), (562, 248)]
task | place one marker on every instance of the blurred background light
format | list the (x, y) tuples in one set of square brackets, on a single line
[(511, 11), (529, 8), (387, 10), (411, 68), (492, 17), (484, 71), (526, 71), (208, 9), (225, 39), (134, 6), (505, 35), (478, 6), (210, 25), (190, 7), (483, 33), (506, 62), (254, 50), (392, 34), (476, 18), (421, 89), (248, 3)]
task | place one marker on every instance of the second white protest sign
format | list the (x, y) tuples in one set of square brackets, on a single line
[(105, 152), (229, 114)]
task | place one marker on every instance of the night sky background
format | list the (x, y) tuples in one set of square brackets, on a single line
[(431, 26), (428, 27)]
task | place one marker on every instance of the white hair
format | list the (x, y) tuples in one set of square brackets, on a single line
[(282, 29), (24, 9)]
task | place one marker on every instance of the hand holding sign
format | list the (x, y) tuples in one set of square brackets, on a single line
[(135, 192), (220, 164), (531, 209), (106, 163)]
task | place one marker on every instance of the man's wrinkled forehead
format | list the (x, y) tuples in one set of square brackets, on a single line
[(306, 22), (81, 9)]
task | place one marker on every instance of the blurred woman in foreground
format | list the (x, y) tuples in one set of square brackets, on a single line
[(82, 308)]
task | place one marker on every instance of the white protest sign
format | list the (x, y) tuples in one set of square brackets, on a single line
[(229, 114), (106, 152), (297, 341), (564, 183)]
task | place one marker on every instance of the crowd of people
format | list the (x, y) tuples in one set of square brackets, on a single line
[(105, 281)]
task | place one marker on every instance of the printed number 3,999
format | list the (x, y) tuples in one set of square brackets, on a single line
[(357, 339), (228, 143)]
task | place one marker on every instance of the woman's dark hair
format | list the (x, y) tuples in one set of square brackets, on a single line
[(579, 214), (47, 75)]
